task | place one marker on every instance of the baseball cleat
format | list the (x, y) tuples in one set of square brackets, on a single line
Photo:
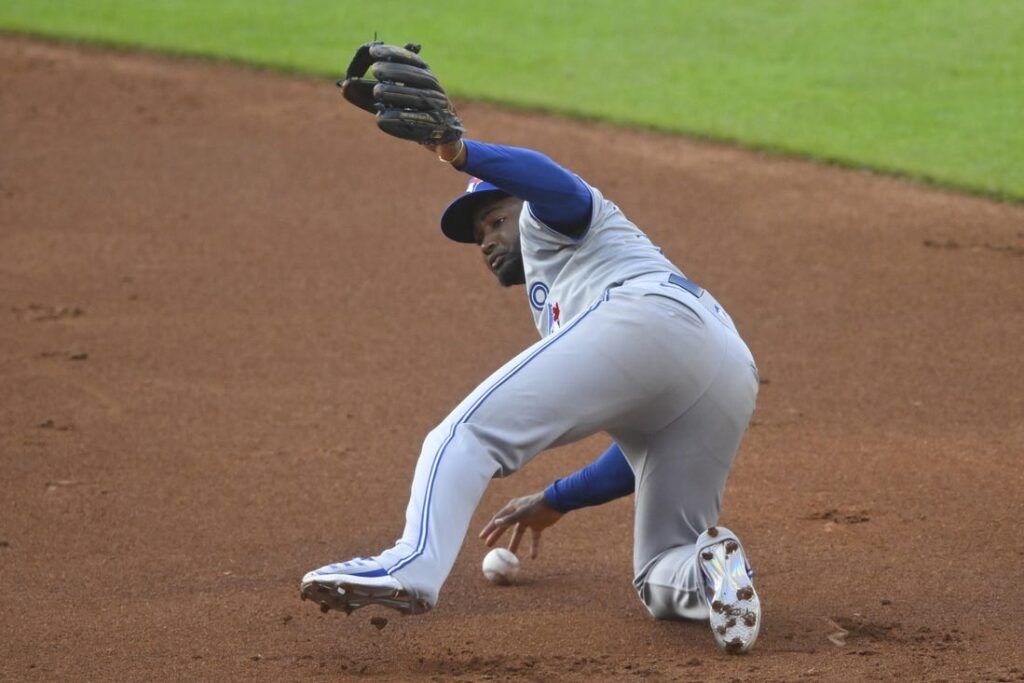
[(347, 586), (735, 607)]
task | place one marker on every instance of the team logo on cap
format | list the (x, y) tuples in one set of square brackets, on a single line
[(473, 184)]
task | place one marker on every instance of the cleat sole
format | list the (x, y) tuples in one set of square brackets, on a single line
[(350, 597), (735, 615)]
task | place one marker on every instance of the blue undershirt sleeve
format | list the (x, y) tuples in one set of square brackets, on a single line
[(557, 197), (607, 478)]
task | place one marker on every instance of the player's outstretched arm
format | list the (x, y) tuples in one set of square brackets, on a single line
[(409, 102), (556, 196)]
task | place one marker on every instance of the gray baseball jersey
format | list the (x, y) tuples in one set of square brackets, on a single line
[(565, 275), (629, 347)]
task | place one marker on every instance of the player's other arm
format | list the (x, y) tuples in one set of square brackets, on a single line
[(607, 478), (557, 197)]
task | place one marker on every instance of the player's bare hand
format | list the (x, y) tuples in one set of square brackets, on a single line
[(528, 512)]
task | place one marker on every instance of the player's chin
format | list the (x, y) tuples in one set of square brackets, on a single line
[(511, 273)]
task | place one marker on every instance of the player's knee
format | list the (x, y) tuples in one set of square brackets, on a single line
[(479, 441), (437, 434), (671, 603), (491, 442), (658, 609), (656, 605)]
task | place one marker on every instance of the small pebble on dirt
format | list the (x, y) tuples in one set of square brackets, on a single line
[(51, 424), (379, 622)]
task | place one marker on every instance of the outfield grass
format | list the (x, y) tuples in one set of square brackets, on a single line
[(928, 88)]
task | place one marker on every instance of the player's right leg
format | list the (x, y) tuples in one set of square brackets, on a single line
[(535, 399)]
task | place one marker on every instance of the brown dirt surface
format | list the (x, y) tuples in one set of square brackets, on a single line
[(228, 318)]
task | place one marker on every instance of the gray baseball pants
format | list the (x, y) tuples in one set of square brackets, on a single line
[(661, 370)]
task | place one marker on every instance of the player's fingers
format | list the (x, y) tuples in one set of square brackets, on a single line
[(501, 516), (496, 520), (534, 544), (517, 536), (507, 520), (511, 515), (495, 534)]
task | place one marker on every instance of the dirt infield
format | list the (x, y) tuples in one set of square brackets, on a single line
[(228, 318)]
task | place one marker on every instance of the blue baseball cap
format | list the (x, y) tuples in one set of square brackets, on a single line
[(457, 219)]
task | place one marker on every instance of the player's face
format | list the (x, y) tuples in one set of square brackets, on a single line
[(496, 229)]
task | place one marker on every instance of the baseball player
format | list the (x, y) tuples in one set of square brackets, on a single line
[(629, 346)]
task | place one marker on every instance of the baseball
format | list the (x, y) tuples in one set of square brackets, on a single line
[(501, 566)]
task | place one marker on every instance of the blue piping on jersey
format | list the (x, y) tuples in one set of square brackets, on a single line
[(425, 513)]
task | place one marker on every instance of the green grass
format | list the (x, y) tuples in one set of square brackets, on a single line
[(932, 89)]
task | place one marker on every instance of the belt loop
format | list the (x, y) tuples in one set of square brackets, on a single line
[(688, 285)]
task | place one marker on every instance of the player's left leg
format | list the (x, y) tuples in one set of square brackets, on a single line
[(685, 566)]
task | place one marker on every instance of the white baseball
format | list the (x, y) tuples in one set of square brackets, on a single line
[(501, 566)]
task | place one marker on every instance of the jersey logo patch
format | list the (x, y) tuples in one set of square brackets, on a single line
[(538, 295), (555, 313)]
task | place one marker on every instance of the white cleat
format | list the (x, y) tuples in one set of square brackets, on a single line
[(735, 607), (347, 586)]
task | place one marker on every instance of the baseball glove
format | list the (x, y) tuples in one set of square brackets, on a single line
[(406, 97)]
